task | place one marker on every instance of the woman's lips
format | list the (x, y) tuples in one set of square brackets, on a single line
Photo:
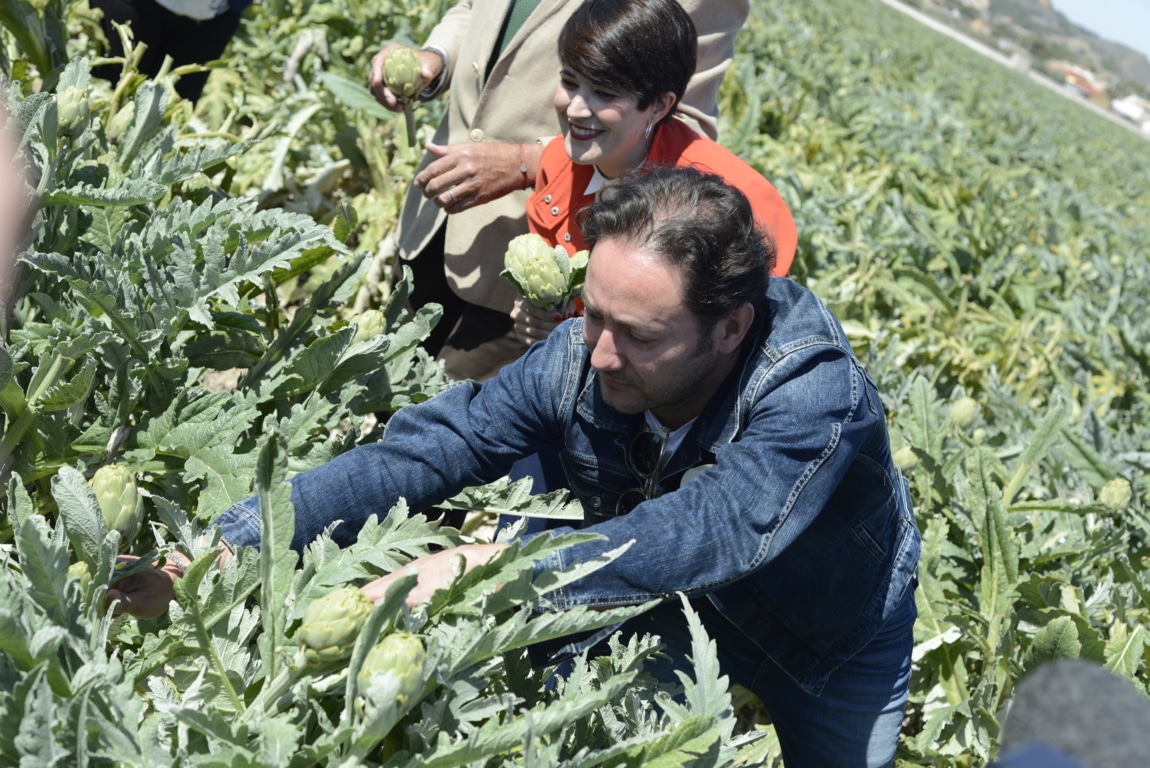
[(583, 134)]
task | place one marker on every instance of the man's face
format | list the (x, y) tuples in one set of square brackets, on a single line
[(645, 344)]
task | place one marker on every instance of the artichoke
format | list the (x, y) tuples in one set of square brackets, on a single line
[(1117, 493), (400, 653), (72, 110), (331, 624), (120, 501), (402, 71), (905, 458), (79, 570), (121, 122), (369, 324), (543, 275), (963, 411)]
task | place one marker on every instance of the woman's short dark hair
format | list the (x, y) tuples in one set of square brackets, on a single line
[(695, 221), (637, 47)]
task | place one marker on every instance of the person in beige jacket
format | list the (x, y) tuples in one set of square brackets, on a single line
[(469, 197)]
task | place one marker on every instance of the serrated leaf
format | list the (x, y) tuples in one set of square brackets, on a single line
[(80, 513), (1057, 640), (277, 560), (45, 565), (1124, 652), (130, 192), (685, 744), (708, 693)]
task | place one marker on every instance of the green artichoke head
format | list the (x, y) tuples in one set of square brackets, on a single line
[(401, 654), (401, 72), (120, 501), (963, 410), (331, 624), (369, 324), (1117, 493), (543, 275), (79, 570), (72, 109)]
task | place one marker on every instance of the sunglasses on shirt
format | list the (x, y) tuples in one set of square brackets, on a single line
[(645, 457)]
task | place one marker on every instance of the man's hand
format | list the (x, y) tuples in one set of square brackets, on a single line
[(533, 324), (435, 571), (430, 67), (466, 175), (146, 593)]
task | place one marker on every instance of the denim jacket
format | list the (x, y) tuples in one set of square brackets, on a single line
[(795, 523)]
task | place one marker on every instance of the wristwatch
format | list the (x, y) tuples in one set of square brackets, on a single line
[(436, 87)]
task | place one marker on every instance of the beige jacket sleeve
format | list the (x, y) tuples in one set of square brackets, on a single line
[(717, 22)]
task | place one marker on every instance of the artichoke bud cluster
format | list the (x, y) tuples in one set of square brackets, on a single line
[(401, 72), (72, 110), (369, 324), (401, 654), (332, 623), (545, 276), (120, 500)]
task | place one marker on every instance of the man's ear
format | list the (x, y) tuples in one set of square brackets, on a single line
[(735, 328)]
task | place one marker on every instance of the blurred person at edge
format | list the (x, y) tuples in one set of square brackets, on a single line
[(469, 197), (12, 204), (714, 424), (625, 67), (190, 31)]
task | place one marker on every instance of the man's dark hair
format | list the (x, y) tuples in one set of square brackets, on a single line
[(695, 221), (633, 47)]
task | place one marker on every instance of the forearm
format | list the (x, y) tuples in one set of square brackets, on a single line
[(465, 436)]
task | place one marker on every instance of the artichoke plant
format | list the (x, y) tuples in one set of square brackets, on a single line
[(120, 501), (331, 624), (400, 653), (402, 73), (545, 276)]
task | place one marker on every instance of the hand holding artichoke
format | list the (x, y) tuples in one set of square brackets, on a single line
[(401, 73), (120, 501), (545, 276)]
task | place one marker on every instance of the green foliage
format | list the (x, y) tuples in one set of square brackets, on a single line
[(984, 242), (206, 301)]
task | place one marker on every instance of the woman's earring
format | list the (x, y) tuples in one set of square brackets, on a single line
[(647, 132)]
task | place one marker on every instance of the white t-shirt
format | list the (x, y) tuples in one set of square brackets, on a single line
[(200, 10)]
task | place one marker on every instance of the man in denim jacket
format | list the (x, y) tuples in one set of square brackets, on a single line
[(730, 407)]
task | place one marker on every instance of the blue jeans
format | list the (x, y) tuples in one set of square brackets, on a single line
[(857, 719)]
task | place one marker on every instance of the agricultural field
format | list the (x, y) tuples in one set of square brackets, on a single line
[(207, 300)]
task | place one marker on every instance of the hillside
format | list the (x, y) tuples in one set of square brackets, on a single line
[(1038, 28)]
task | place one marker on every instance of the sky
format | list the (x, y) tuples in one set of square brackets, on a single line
[(1124, 21)]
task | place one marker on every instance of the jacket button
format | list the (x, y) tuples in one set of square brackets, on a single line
[(567, 237), (547, 198), (476, 134), (555, 210), (595, 502)]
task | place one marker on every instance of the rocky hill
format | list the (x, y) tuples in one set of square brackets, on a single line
[(1037, 27)]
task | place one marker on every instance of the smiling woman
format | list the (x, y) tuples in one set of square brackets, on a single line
[(625, 67)]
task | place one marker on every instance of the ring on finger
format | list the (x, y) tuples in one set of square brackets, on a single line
[(451, 193)]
